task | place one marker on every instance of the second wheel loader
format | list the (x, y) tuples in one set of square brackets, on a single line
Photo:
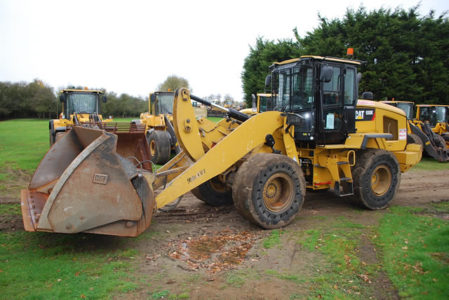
[(419, 131), (79, 106), (437, 116), (319, 137), (158, 126)]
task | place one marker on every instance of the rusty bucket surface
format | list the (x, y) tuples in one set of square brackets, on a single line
[(89, 182)]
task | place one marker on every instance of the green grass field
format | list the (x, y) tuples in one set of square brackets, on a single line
[(413, 246)]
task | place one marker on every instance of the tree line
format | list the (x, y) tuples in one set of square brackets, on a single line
[(405, 54), (38, 100)]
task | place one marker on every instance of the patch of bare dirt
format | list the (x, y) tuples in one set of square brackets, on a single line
[(10, 186), (10, 223)]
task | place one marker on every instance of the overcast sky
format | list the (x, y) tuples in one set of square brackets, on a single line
[(132, 46)]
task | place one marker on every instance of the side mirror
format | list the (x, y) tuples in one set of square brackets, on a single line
[(326, 74), (368, 95), (253, 101), (104, 98), (62, 97), (152, 98), (268, 80), (359, 77)]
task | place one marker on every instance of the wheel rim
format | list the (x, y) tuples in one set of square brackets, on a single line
[(381, 180), (153, 148), (217, 186), (278, 192)]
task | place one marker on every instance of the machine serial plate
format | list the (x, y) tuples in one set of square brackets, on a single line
[(100, 179)]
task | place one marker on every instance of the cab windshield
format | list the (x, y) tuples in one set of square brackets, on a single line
[(165, 103), (294, 89), (434, 114), (407, 108), (442, 114), (82, 103)]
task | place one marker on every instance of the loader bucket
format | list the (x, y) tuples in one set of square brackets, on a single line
[(88, 182)]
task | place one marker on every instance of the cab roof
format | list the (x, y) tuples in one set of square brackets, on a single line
[(322, 58), (82, 91), (431, 105)]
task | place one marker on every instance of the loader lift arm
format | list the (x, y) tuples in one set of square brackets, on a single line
[(221, 156)]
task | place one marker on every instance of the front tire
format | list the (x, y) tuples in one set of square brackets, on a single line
[(269, 190), (213, 192), (159, 142), (376, 178)]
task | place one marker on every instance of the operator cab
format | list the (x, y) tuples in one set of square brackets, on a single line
[(81, 101), (322, 92), (433, 114), (406, 106), (162, 103), (263, 102)]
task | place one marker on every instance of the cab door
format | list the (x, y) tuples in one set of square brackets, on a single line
[(331, 96), (338, 93)]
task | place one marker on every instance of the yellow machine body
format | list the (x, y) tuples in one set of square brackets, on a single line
[(258, 163)]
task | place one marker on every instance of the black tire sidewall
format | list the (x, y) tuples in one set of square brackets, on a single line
[(263, 215), (363, 183), (211, 196), (248, 189), (162, 142)]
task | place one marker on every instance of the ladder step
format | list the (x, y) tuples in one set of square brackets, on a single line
[(345, 179), (342, 163)]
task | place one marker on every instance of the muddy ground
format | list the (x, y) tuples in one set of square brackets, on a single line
[(202, 252)]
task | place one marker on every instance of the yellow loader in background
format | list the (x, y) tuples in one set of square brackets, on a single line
[(158, 125), (79, 106), (421, 132), (261, 103), (320, 137), (437, 116)]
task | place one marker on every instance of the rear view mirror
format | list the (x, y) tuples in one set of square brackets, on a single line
[(268, 80), (104, 98), (62, 97), (368, 96), (253, 101), (359, 77), (326, 74)]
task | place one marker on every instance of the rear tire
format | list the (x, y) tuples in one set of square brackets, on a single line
[(159, 142), (269, 190), (376, 178), (214, 193)]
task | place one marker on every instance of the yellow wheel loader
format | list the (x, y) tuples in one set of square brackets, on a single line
[(260, 104), (437, 116), (320, 137), (158, 125), (422, 132), (78, 107)]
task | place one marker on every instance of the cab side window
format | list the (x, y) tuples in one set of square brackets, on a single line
[(331, 89), (349, 86)]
